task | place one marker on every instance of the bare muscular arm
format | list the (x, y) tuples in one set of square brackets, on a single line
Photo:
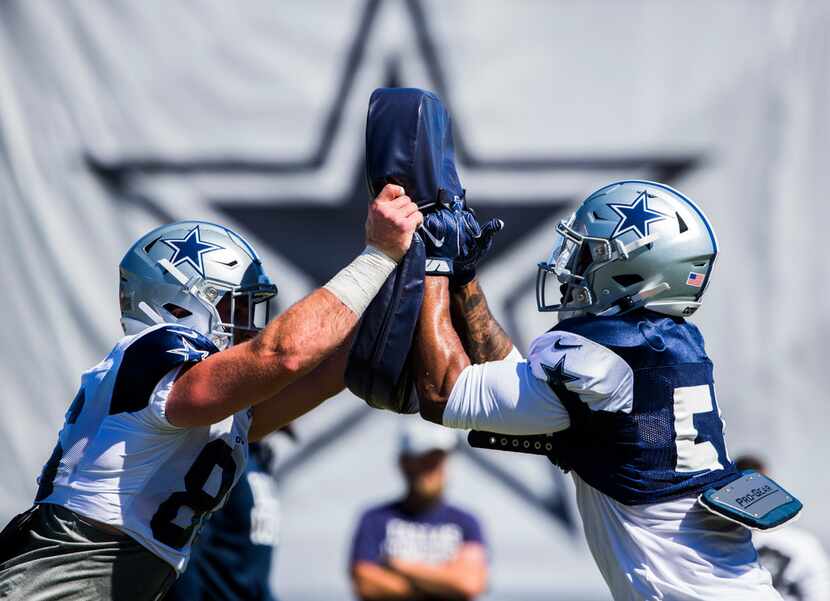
[(482, 336), (294, 343), (303, 395), (439, 355)]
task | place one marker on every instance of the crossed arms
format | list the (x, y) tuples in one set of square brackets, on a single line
[(463, 577)]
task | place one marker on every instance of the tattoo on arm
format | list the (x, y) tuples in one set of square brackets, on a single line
[(482, 336)]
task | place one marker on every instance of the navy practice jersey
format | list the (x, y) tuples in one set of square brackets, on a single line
[(631, 405), (631, 399), (671, 441), (119, 460)]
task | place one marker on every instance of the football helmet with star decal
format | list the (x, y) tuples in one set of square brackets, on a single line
[(196, 274), (630, 244)]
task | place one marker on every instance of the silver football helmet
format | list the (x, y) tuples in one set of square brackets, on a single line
[(197, 274), (630, 244)]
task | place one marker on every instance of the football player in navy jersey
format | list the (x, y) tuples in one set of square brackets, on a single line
[(622, 384), (158, 432)]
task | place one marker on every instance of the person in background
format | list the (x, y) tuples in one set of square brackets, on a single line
[(799, 565), (232, 558), (419, 547)]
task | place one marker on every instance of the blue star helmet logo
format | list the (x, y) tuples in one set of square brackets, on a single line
[(190, 250), (188, 351), (636, 217)]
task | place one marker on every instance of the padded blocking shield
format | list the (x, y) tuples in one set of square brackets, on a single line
[(409, 143), (378, 367)]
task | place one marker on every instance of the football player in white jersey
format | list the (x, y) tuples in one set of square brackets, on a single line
[(621, 386), (158, 432)]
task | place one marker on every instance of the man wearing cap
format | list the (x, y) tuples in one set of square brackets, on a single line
[(419, 547)]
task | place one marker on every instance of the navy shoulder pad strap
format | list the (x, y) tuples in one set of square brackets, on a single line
[(148, 358), (378, 368)]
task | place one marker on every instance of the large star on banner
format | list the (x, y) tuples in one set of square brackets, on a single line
[(636, 217), (557, 376), (292, 222), (188, 351), (314, 229), (190, 249)]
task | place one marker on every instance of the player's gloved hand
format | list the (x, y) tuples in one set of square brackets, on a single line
[(441, 233), (476, 242)]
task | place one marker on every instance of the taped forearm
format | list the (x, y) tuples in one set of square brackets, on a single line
[(357, 284), (312, 328)]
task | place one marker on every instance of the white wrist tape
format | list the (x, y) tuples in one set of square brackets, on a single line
[(358, 283)]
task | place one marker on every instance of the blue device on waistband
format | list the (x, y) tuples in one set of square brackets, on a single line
[(754, 501)]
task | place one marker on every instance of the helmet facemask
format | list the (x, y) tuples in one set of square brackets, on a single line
[(570, 268), (243, 312), (233, 315)]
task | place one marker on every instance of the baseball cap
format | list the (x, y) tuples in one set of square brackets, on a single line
[(418, 437)]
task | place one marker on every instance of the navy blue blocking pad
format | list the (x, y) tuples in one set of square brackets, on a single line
[(409, 142), (378, 367)]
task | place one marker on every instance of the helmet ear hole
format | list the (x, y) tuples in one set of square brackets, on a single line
[(177, 311), (681, 224), (151, 244)]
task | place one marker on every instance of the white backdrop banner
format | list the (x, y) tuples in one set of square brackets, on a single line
[(115, 117)]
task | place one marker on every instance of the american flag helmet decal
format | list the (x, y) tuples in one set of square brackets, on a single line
[(695, 279)]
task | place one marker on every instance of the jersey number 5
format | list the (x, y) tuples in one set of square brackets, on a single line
[(695, 456), (215, 454)]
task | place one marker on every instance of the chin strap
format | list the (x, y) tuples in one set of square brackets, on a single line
[(625, 250), (150, 313), (195, 286), (629, 303)]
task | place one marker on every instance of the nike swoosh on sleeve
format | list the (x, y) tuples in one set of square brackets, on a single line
[(435, 241)]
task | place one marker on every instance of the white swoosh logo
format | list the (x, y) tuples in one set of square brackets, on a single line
[(435, 241)]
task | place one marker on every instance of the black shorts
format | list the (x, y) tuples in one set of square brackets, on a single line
[(51, 553)]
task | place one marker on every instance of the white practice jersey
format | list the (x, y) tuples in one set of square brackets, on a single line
[(798, 563), (632, 401), (119, 461)]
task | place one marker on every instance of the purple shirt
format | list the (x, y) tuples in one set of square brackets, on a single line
[(433, 536)]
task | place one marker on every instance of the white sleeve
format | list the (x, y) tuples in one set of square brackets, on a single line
[(510, 397), (155, 414), (504, 397)]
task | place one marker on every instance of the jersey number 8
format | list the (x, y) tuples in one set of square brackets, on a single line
[(215, 454)]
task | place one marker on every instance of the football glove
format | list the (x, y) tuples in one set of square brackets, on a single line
[(476, 242), (441, 232)]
